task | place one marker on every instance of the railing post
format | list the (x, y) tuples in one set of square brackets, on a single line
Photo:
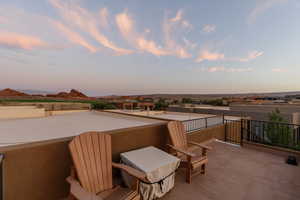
[(225, 139), (223, 118), (205, 122), (248, 129), (1, 176), (242, 132)]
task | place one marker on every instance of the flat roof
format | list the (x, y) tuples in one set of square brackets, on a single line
[(209, 107), (19, 131), (180, 116)]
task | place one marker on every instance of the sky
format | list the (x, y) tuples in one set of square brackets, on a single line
[(104, 47)]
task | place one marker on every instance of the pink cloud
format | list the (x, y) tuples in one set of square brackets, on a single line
[(81, 18), (151, 47), (104, 17), (127, 28), (189, 44), (73, 36), (279, 70), (251, 56), (20, 41), (178, 16), (208, 28), (169, 27), (225, 69), (125, 25), (210, 56)]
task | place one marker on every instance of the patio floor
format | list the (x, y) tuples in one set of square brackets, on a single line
[(236, 173)]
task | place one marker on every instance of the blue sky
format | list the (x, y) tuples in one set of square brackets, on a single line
[(140, 46)]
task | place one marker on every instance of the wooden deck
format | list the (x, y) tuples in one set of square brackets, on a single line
[(235, 173)]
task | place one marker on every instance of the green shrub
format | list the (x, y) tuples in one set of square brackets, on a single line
[(102, 106), (161, 104)]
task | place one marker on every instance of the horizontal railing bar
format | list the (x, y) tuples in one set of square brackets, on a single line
[(282, 123), (201, 118)]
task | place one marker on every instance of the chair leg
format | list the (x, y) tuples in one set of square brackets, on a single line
[(71, 197), (189, 172), (203, 169)]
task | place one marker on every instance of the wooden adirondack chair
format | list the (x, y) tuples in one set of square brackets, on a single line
[(92, 180), (193, 162)]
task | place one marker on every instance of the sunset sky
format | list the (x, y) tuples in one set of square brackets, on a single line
[(104, 47)]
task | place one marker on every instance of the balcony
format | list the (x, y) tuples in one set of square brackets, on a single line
[(240, 173), (254, 171)]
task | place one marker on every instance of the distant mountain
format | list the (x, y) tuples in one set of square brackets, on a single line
[(12, 93), (72, 94), (211, 96), (271, 94), (31, 92), (37, 94)]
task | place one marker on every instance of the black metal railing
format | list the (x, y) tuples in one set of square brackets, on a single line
[(234, 131), (1, 176), (273, 133), (200, 123)]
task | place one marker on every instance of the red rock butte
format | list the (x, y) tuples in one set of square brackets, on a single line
[(72, 94), (12, 93)]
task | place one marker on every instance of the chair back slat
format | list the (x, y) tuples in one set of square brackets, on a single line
[(177, 134), (91, 153)]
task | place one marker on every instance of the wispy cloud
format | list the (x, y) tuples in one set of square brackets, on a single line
[(20, 41), (224, 69), (178, 16), (261, 7), (187, 25), (126, 25), (81, 18), (170, 25), (279, 70), (215, 56), (208, 28), (189, 44), (103, 14), (210, 56), (251, 56), (73, 36)]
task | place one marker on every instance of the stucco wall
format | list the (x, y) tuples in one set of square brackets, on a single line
[(217, 132), (62, 112), (16, 112), (38, 171)]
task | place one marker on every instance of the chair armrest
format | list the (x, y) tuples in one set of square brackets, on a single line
[(200, 145), (79, 192), (133, 172), (182, 151)]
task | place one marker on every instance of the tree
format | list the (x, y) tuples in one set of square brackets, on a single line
[(214, 102), (102, 105), (278, 131), (275, 116), (161, 104), (175, 101), (187, 100)]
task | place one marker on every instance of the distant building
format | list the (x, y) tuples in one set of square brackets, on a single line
[(254, 111)]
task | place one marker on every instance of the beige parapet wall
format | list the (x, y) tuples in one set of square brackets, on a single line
[(38, 171), (51, 106), (17, 112), (20, 112), (62, 112)]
